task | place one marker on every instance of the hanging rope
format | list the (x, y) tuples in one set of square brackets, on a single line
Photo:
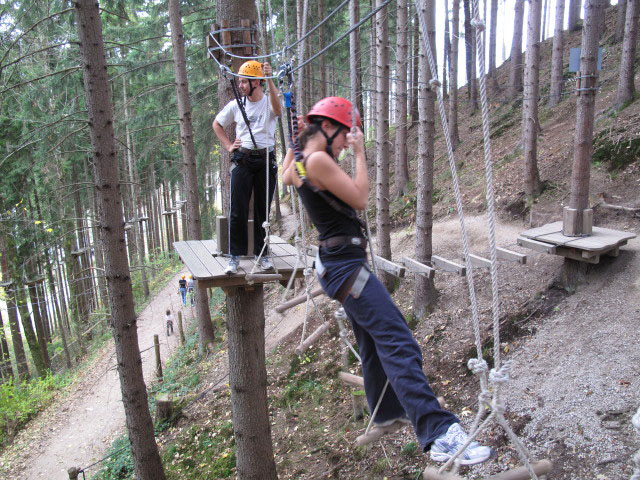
[(500, 373), (635, 421)]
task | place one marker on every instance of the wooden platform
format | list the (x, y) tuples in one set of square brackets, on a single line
[(205, 263), (549, 239)]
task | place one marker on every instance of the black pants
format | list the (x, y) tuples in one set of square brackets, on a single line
[(248, 175)]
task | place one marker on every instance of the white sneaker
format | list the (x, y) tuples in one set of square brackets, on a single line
[(232, 266), (265, 263), (445, 446)]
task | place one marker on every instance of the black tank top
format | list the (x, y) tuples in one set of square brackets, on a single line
[(329, 221)]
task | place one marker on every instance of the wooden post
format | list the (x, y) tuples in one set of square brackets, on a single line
[(222, 233), (156, 344), (164, 407), (250, 239), (73, 473), (180, 329)]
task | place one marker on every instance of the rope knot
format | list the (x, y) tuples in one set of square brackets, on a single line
[(434, 83), (499, 407), (478, 24), (265, 225), (307, 272), (484, 397), (502, 374), (340, 314), (477, 365)]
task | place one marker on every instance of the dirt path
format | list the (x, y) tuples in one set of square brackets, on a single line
[(78, 430)]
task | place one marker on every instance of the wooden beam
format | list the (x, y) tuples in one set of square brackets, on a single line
[(298, 300), (389, 266), (511, 256), (542, 467), (311, 339), (448, 265), (477, 261), (262, 277), (419, 268), (222, 234), (576, 255), (536, 245), (350, 379)]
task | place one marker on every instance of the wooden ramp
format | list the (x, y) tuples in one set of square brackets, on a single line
[(207, 265), (549, 239)]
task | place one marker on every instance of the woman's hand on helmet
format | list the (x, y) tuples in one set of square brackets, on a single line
[(355, 139)]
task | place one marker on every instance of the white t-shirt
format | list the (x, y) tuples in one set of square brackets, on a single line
[(261, 117)]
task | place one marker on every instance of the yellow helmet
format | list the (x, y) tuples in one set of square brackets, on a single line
[(182, 276), (251, 69), (190, 276)]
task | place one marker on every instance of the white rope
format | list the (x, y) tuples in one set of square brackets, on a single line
[(635, 421), (500, 374)]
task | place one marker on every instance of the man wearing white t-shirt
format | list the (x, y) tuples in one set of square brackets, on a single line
[(253, 143)]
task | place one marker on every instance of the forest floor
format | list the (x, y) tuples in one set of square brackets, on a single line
[(77, 429)]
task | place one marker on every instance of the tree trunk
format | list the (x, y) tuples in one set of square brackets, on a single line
[(574, 14), (425, 292), (12, 313), (532, 184), (544, 20), (447, 50), (621, 20), (29, 333), (146, 460), (414, 75), (626, 86), (205, 326), (515, 73), (40, 331), (5, 360), (573, 270), (173, 188), (248, 382), (557, 66), (383, 232), (493, 43), (470, 46), (453, 74), (401, 164), (79, 268)]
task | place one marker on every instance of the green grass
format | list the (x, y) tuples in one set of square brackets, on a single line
[(19, 402)]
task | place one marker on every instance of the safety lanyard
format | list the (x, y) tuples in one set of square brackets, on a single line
[(236, 94)]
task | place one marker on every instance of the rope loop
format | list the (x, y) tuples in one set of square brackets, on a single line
[(477, 365), (498, 406), (502, 374), (435, 83), (266, 224), (484, 397), (478, 24), (307, 272)]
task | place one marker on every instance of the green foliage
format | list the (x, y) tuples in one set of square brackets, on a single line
[(410, 449), (119, 464), (19, 402), (208, 452), (615, 154)]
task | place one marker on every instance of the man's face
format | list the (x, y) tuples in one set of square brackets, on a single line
[(245, 85)]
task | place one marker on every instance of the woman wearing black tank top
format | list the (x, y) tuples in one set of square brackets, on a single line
[(387, 347)]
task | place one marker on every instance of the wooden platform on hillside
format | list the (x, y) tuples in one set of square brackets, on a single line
[(207, 265), (549, 239)]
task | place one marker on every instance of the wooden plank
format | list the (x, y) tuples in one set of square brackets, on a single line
[(191, 260), (448, 265), (576, 255), (211, 246), (511, 256), (206, 258), (298, 300), (599, 240), (389, 266), (417, 267), (536, 245), (350, 379), (477, 261)]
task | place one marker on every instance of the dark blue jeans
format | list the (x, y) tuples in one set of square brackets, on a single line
[(388, 351)]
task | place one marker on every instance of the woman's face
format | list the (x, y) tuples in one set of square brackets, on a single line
[(340, 141)]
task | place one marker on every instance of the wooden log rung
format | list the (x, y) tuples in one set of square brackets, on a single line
[(376, 433), (505, 254), (478, 261), (262, 277), (448, 265), (389, 266), (298, 300), (311, 339), (536, 245), (541, 467), (419, 268), (351, 380)]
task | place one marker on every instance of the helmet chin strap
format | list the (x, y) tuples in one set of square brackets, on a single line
[(330, 140)]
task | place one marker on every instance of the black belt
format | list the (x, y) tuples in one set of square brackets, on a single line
[(343, 240), (255, 151)]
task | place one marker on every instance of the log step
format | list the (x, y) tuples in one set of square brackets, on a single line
[(542, 467)]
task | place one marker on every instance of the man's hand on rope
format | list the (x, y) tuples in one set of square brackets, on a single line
[(301, 124), (237, 143), (267, 70)]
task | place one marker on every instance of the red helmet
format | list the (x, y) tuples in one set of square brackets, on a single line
[(335, 108)]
